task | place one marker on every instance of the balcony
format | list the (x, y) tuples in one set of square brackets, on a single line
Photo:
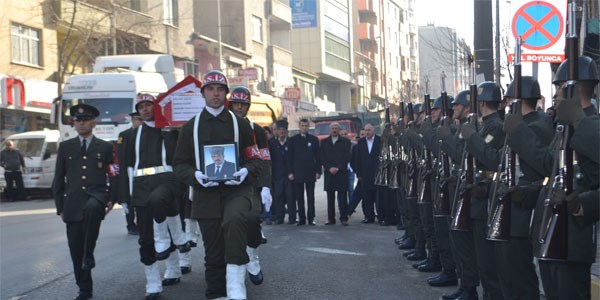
[(369, 45), (281, 15), (281, 55), (83, 16), (367, 16)]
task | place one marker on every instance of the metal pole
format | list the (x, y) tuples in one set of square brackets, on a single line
[(497, 60), (219, 34)]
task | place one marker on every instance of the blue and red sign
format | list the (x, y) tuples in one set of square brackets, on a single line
[(541, 26)]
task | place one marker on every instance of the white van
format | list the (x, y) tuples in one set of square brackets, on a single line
[(39, 150)]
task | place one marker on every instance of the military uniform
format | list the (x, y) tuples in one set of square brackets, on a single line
[(222, 210), (81, 192), (283, 188)]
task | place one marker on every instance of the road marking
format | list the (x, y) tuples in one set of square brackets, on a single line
[(333, 251)]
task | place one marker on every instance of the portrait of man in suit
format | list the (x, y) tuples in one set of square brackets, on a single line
[(219, 169)]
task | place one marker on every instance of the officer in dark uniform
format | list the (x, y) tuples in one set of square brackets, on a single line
[(221, 208), (129, 213), (570, 279), (84, 167), (515, 257), (484, 145), (239, 102), (155, 196), (284, 189), (461, 242), (304, 166)]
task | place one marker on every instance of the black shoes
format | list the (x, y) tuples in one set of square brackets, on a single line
[(133, 232), (329, 222), (454, 295), (445, 278), (185, 247), (152, 296), (367, 221), (83, 296), (409, 243), (256, 279), (88, 263), (185, 270), (431, 265), (417, 255), (299, 223), (409, 252), (170, 281), (312, 223), (470, 293), (165, 254)]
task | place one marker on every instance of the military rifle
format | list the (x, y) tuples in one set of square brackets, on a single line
[(441, 205), (425, 166)]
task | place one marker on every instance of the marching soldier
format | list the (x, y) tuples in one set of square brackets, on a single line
[(515, 257), (82, 195), (155, 196), (221, 208), (239, 103)]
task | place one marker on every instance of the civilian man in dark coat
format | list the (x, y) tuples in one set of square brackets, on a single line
[(305, 168), (335, 156), (283, 187), (368, 150), (13, 163), (81, 192)]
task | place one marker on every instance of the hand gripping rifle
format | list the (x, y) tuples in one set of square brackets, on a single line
[(553, 236), (498, 222), (461, 218), (426, 166), (441, 205)]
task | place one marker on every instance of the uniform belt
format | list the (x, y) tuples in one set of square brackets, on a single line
[(12, 171), (152, 171)]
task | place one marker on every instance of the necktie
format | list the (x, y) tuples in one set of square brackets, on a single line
[(218, 171), (84, 146)]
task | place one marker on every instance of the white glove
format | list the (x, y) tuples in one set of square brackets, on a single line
[(242, 173), (265, 194), (201, 178), (125, 208)]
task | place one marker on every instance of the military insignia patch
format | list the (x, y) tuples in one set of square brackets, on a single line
[(489, 138)]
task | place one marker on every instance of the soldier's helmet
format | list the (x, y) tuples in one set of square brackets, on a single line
[(462, 98), (240, 94), (587, 70), (143, 97), (530, 89), (417, 108), (489, 91), (438, 102), (215, 77)]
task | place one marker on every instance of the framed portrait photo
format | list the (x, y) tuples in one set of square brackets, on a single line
[(220, 162)]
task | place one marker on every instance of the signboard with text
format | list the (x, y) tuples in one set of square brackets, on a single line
[(304, 13), (541, 26), (292, 94)]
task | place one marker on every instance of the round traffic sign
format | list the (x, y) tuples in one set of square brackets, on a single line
[(539, 24)]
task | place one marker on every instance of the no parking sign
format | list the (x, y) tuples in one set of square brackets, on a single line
[(541, 25)]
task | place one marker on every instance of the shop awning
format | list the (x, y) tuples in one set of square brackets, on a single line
[(265, 109)]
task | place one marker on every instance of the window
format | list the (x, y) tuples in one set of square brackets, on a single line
[(135, 5), (257, 29), (25, 43), (171, 11), (190, 68)]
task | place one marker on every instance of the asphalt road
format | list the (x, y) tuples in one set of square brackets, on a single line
[(308, 262)]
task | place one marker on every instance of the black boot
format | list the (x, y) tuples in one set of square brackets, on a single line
[(432, 265), (455, 294), (408, 244), (445, 278), (407, 253), (417, 255), (470, 293), (418, 264)]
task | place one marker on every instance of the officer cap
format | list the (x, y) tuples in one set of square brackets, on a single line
[(489, 91), (217, 150), (240, 94), (438, 102), (143, 97), (282, 124), (463, 98), (134, 114), (587, 69), (215, 77), (530, 88), (83, 112)]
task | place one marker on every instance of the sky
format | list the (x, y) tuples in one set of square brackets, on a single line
[(458, 14)]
